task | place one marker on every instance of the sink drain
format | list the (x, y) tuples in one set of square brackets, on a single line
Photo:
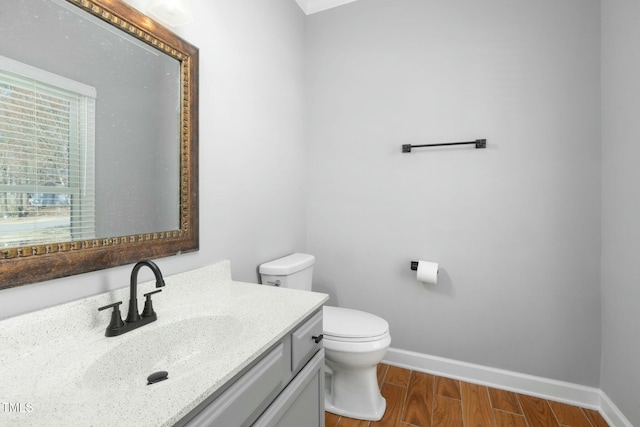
[(156, 377)]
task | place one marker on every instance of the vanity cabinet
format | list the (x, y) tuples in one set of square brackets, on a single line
[(283, 388), (302, 402)]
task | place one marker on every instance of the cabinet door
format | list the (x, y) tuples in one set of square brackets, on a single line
[(236, 405), (302, 402)]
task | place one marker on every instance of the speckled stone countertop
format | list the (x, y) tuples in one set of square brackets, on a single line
[(55, 364)]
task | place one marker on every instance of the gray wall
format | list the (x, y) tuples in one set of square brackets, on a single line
[(252, 158), (515, 227), (621, 205)]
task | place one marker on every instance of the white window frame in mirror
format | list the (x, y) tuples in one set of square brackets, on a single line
[(77, 109)]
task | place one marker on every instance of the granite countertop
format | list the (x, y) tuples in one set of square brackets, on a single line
[(58, 369)]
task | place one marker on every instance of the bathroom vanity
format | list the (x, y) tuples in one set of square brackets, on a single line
[(284, 387), (237, 354)]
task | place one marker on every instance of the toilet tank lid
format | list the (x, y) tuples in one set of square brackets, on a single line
[(287, 265)]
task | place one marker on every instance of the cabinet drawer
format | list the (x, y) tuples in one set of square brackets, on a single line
[(236, 404), (303, 341)]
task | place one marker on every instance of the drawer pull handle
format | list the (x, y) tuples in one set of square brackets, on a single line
[(318, 338)]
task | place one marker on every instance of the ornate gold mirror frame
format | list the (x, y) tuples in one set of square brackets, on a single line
[(30, 264)]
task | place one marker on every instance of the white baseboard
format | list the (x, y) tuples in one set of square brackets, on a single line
[(559, 391), (612, 413)]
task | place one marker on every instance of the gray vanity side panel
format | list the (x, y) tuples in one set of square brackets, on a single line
[(301, 402)]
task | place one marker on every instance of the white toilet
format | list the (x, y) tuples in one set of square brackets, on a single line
[(354, 342)]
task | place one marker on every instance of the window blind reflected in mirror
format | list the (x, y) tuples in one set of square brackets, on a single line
[(47, 157)]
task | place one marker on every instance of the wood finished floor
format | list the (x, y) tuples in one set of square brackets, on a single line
[(416, 399)]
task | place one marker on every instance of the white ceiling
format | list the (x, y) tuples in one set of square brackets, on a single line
[(308, 6), (313, 6)]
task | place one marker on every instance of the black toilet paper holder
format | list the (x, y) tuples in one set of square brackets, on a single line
[(414, 265)]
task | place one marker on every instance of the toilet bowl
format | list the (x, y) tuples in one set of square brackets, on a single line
[(354, 342)]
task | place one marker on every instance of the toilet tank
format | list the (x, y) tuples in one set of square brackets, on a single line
[(294, 271)]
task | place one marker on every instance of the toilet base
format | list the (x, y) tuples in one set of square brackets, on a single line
[(355, 394), (358, 416)]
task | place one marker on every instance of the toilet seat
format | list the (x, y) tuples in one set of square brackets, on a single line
[(348, 325), (355, 340), (357, 347)]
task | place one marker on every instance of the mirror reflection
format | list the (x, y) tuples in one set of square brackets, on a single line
[(89, 129)]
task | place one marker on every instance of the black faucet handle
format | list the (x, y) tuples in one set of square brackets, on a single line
[(148, 304), (116, 319), (148, 294), (114, 305)]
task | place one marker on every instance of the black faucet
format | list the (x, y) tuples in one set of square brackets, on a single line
[(134, 320), (133, 315)]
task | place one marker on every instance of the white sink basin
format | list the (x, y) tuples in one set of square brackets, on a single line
[(181, 348)]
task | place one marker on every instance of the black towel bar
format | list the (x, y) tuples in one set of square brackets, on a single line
[(479, 143)]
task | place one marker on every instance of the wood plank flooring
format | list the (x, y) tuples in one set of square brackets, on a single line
[(416, 399)]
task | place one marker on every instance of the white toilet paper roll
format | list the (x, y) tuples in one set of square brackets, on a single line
[(427, 272)]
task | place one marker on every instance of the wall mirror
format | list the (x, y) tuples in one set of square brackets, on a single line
[(98, 139)]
